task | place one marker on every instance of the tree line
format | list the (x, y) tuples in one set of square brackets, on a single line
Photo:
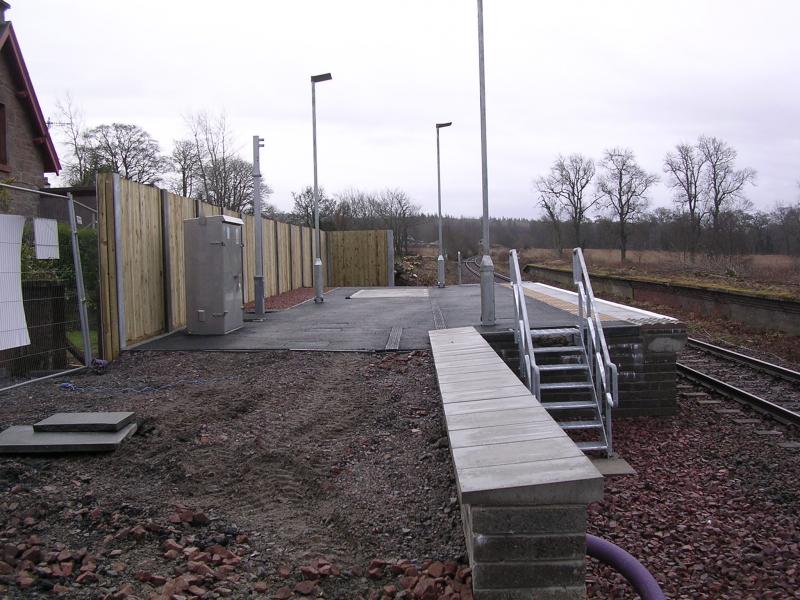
[(603, 204)]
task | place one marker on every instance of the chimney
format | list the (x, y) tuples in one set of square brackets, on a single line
[(4, 6)]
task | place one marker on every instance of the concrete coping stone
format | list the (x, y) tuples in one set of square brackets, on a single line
[(506, 448), (22, 439), (85, 421)]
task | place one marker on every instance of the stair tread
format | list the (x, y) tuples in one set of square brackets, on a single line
[(566, 385), (591, 446), (554, 332), (566, 405), (580, 424), (564, 367), (560, 349)]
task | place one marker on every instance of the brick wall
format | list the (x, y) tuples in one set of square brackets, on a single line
[(24, 157)]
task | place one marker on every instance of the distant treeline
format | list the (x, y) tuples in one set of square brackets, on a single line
[(773, 232)]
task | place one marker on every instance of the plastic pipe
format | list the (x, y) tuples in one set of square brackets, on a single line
[(631, 569)]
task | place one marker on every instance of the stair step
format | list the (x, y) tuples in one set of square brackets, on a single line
[(558, 349), (566, 385), (586, 446), (554, 332), (565, 367), (580, 424), (569, 405)]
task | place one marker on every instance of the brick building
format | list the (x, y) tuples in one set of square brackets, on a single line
[(27, 151)]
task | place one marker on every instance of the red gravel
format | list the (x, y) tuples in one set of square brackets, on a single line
[(286, 299), (712, 511)]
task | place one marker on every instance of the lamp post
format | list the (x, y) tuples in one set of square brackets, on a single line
[(440, 260), (315, 79), (487, 268), (258, 279)]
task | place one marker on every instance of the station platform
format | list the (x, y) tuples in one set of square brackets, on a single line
[(398, 318), (642, 344)]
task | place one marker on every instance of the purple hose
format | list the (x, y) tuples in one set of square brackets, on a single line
[(630, 568)]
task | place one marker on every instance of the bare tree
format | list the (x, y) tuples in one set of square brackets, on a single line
[(79, 168), (303, 211), (128, 150), (623, 186), (567, 181), (552, 209), (225, 179), (400, 209), (685, 168), (723, 183), (185, 164)]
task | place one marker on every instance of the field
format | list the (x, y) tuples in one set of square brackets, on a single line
[(773, 274)]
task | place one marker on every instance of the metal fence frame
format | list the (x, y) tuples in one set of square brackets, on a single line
[(79, 284)]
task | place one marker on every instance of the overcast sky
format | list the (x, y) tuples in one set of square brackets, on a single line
[(562, 77)]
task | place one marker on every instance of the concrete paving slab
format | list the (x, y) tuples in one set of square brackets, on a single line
[(516, 416), (465, 375), (389, 293), (24, 440), (493, 394), (85, 421), (503, 434), (479, 406), (556, 447), (482, 385), (562, 481), (612, 467)]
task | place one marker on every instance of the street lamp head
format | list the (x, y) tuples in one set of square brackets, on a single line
[(440, 125), (323, 77)]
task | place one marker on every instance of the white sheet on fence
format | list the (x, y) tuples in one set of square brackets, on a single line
[(13, 327), (45, 233)]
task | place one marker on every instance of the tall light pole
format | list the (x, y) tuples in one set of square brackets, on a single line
[(487, 268), (440, 260), (317, 260), (258, 279)]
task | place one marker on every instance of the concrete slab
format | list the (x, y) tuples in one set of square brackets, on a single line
[(529, 451), (504, 434), (483, 385), (85, 421), (562, 481), (516, 416), (612, 467), (24, 440), (399, 292), (493, 394), (479, 406)]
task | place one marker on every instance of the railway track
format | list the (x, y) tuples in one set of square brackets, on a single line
[(471, 265), (767, 388)]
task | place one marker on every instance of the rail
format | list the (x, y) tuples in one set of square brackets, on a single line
[(603, 372), (522, 330)]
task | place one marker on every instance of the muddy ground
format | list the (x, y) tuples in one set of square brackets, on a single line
[(285, 460)]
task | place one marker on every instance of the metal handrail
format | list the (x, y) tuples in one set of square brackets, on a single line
[(603, 371), (522, 329)]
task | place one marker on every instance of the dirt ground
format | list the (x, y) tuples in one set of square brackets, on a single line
[(246, 468)]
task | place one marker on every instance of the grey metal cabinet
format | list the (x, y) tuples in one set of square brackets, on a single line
[(213, 260)]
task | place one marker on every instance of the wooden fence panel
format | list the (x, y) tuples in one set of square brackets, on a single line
[(142, 259), (308, 257), (109, 324), (284, 258), (270, 258), (297, 255), (249, 258), (359, 258), (180, 209), (323, 244)]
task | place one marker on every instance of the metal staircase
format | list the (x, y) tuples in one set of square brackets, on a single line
[(568, 369)]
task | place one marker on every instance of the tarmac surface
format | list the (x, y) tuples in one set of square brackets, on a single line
[(369, 319)]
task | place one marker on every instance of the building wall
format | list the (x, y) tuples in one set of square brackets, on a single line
[(25, 158)]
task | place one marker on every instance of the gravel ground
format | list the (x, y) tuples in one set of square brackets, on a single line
[(713, 509), (269, 472)]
